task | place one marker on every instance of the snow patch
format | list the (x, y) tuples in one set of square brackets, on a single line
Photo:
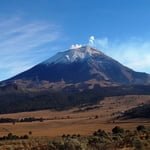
[(67, 56), (72, 55)]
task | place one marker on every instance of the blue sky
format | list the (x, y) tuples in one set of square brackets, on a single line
[(33, 30)]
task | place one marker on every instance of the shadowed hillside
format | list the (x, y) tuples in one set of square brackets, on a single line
[(138, 112)]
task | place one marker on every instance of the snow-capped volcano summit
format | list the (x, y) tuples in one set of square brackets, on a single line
[(80, 65), (73, 55)]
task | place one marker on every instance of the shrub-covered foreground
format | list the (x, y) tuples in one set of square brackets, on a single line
[(118, 139)]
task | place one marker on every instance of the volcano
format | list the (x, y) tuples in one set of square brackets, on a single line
[(81, 65)]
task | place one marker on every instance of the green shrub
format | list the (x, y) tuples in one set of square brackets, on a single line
[(58, 144), (140, 128), (137, 143), (117, 130), (72, 144), (100, 133)]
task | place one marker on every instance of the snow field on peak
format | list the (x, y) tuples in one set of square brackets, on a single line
[(72, 55)]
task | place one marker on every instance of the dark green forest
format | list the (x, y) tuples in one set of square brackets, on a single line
[(17, 100)]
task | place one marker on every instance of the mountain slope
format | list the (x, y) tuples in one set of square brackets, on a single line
[(71, 78), (80, 65)]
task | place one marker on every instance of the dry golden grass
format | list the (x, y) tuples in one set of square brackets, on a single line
[(80, 120)]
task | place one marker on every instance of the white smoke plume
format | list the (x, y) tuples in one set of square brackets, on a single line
[(75, 46), (91, 40), (101, 43)]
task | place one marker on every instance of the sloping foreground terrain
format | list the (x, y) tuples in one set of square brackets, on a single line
[(117, 139), (84, 128)]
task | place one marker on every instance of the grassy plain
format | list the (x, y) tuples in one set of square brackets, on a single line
[(82, 120)]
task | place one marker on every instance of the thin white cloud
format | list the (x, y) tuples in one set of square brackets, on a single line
[(27, 36), (20, 42)]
